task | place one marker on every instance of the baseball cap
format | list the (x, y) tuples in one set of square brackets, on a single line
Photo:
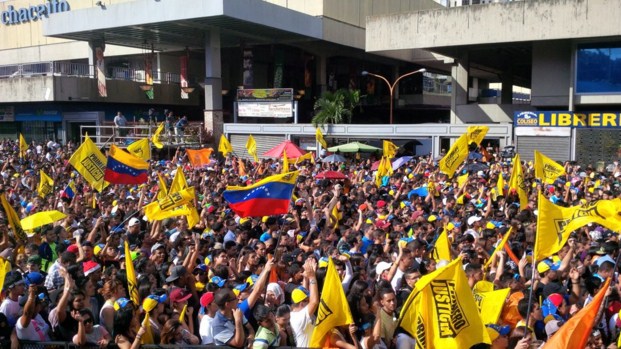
[(432, 218), (603, 259), (218, 281), (496, 331), (552, 326), (176, 272), (133, 221), (90, 267), (152, 301), (206, 299), (473, 219), (381, 267), (34, 259), (121, 303), (299, 294), (179, 295), (33, 278), (156, 246)]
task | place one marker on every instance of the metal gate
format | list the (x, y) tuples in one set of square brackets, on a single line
[(264, 143), (556, 148), (593, 145)]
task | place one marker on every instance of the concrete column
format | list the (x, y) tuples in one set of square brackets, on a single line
[(459, 75), (507, 87), (214, 120), (321, 73), (92, 56)]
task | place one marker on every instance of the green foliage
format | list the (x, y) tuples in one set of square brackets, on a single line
[(336, 107)]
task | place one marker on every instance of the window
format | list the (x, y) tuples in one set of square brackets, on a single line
[(598, 69)]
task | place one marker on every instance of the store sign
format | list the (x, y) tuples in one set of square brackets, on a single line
[(265, 94), (567, 119), (265, 109), (33, 13)]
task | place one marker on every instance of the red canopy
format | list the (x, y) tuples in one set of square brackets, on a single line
[(293, 151), (330, 175)]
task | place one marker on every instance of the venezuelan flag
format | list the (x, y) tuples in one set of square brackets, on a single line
[(270, 196), (69, 191), (125, 168)]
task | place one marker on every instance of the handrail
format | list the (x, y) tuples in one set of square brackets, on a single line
[(64, 68), (103, 135)]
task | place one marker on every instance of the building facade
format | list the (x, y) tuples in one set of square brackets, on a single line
[(65, 64), (565, 52)]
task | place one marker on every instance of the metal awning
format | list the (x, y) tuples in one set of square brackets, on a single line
[(177, 24)]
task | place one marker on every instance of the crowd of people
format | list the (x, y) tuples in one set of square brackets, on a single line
[(212, 283)]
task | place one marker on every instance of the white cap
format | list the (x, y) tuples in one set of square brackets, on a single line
[(133, 222), (473, 219), (381, 267)]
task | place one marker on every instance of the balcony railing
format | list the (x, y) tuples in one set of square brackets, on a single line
[(84, 70)]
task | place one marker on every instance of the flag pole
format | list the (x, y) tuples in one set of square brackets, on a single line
[(532, 279)]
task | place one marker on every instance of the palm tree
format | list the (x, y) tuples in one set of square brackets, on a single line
[(336, 107)]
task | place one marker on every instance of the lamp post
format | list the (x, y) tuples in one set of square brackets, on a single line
[(391, 87)]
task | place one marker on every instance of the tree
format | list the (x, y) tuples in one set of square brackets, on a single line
[(335, 107)]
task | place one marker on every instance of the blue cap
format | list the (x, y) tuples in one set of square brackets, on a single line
[(265, 236), (33, 278), (218, 281), (502, 330)]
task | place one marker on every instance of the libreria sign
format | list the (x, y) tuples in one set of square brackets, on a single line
[(33, 13)]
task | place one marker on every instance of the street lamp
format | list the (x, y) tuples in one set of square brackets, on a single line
[(391, 87)]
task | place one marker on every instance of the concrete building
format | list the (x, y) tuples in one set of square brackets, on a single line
[(565, 51), (65, 64)]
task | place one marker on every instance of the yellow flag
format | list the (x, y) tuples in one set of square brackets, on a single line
[(179, 182), (13, 219), (251, 146), (516, 182), (90, 163), (225, 147), (384, 169), (156, 137), (461, 180), (141, 149), (285, 162), (183, 311), (390, 149), (498, 247), (147, 337), (441, 311), (490, 304), (307, 156), (333, 308), (442, 249), (555, 223), (132, 284), (154, 210), (23, 146), (162, 190), (476, 134), (46, 184), (547, 169), (455, 156), (500, 185), (320, 139), (5, 267)]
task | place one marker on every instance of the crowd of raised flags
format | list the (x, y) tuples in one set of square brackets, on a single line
[(414, 254)]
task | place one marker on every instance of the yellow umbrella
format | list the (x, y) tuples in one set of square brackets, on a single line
[(40, 219)]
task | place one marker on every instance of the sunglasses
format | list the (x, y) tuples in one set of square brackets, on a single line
[(88, 321)]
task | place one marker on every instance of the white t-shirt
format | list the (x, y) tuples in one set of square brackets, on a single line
[(37, 330), (11, 309), (396, 280), (302, 326), (206, 330)]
